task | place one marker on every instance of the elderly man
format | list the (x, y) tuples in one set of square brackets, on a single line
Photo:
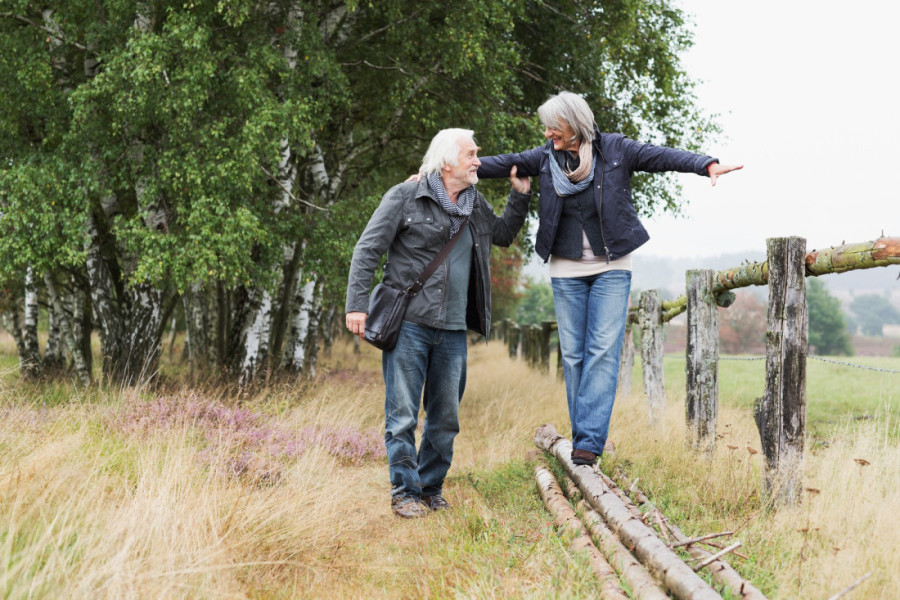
[(412, 223)]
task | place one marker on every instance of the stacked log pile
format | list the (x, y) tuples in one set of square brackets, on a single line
[(646, 560)]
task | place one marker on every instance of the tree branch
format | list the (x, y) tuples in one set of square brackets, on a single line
[(288, 192), (45, 29)]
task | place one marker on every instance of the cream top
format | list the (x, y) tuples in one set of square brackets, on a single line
[(590, 264)]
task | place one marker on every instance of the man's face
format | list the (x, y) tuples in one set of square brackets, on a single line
[(464, 173)]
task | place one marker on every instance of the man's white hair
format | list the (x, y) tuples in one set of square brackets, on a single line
[(444, 150)]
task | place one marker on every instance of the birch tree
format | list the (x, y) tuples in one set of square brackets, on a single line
[(224, 157)]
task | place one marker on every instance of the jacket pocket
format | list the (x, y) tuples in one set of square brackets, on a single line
[(420, 230)]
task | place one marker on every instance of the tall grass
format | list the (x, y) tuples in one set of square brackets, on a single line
[(187, 493)]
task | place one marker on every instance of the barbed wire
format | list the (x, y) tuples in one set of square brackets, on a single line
[(840, 362), (828, 360)]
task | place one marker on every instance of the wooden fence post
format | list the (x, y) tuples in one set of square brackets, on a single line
[(626, 362), (702, 356), (512, 339), (652, 354), (781, 413), (547, 329)]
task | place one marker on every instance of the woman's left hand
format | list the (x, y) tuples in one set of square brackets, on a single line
[(715, 169), (520, 184)]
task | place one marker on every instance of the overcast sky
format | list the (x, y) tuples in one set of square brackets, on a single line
[(808, 99)]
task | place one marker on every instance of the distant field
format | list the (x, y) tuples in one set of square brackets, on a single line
[(836, 393)]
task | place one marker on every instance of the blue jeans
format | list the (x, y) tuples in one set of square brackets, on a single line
[(433, 359), (590, 313)]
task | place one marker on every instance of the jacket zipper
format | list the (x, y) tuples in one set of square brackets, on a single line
[(600, 212)]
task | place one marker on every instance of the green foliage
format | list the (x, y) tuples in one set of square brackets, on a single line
[(537, 303), (827, 330), (163, 124), (873, 312)]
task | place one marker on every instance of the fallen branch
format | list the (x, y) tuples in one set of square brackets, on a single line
[(702, 538), (851, 587), (722, 572), (717, 556), (674, 574), (581, 542)]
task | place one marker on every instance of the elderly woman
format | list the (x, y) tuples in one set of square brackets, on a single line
[(588, 229)]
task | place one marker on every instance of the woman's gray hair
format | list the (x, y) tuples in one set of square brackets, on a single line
[(444, 150), (572, 110)]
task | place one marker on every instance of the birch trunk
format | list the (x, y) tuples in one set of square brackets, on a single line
[(82, 371), (31, 363), (12, 322), (197, 327), (80, 311), (54, 354), (301, 328)]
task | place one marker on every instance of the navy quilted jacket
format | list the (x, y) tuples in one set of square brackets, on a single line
[(617, 158)]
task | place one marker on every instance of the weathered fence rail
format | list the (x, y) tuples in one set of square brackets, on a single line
[(780, 414)]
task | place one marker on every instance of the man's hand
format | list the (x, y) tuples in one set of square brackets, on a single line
[(520, 184), (356, 323), (715, 169)]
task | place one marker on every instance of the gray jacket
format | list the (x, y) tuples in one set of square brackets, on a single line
[(412, 228)]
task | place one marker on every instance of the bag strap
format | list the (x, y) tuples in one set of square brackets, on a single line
[(416, 287)]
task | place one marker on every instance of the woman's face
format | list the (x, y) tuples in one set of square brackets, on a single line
[(561, 137)]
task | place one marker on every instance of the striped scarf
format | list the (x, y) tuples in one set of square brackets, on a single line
[(457, 210)]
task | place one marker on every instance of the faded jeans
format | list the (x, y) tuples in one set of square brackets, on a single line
[(590, 313), (433, 360)]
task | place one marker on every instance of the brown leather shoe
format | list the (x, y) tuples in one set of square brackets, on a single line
[(436, 502), (409, 508), (583, 457)]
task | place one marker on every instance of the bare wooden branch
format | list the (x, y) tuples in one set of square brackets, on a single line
[(702, 538), (717, 556), (851, 587)]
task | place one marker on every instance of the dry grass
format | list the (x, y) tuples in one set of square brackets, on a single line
[(93, 509)]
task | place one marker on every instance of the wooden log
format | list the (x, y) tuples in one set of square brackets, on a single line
[(626, 362), (722, 572), (566, 518), (865, 255), (639, 579), (702, 355), (652, 355), (781, 413), (630, 570), (666, 566)]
